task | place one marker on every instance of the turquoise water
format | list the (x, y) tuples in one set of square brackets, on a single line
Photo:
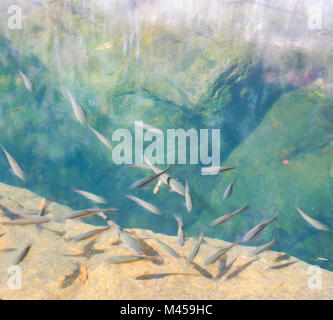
[(273, 105)]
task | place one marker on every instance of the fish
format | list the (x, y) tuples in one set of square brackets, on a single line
[(157, 187), (78, 111), (128, 259), (109, 222), (166, 248), (195, 249), (263, 248), (188, 198), (176, 186), (83, 274), (2, 234), (166, 179), (27, 221), (42, 206), (316, 224), (90, 234), (18, 171), (148, 127), (91, 196), (250, 235), (144, 181), (240, 269), (163, 275), (101, 138), (28, 84), (181, 234), (218, 254), (322, 259), (283, 265), (282, 257), (215, 170), (227, 216), (129, 241), (22, 255), (43, 209), (144, 204), (228, 191), (86, 213)]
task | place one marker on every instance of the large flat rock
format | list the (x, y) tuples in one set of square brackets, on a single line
[(51, 269)]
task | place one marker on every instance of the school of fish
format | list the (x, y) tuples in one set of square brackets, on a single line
[(40, 217)]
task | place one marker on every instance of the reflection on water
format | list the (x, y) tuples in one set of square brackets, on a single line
[(254, 69)]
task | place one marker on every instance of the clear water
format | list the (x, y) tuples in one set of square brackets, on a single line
[(254, 69)]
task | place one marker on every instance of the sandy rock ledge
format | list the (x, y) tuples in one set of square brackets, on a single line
[(56, 268)]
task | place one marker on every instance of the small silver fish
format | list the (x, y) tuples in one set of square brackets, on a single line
[(263, 248), (215, 170), (14, 165), (78, 111), (22, 255), (181, 234), (176, 186), (144, 204), (101, 138), (316, 224), (27, 221), (128, 259), (250, 235), (195, 249), (218, 254), (227, 216), (188, 198), (129, 241), (228, 191), (167, 249), (157, 187), (90, 234), (148, 127), (86, 213), (28, 84), (166, 179), (144, 181), (43, 209), (91, 196), (109, 222)]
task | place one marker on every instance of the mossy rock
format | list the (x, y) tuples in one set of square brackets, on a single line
[(285, 162)]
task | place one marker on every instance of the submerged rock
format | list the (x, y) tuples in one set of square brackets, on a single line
[(285, 162)]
